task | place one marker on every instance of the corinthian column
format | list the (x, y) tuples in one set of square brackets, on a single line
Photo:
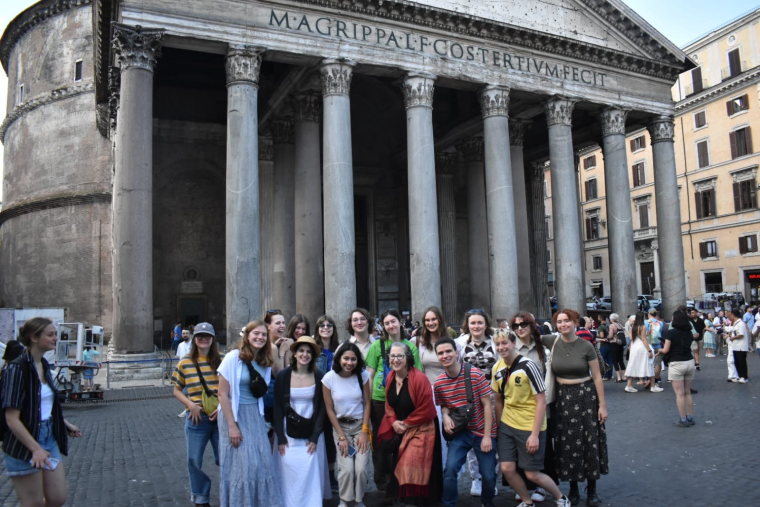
[(243, 247), (567, 241), (444, 179), (283, 135), (309, 253), (136, 51), (619, 215), (669, 239), (338, 179), (423, 208), (477, 227), (522, 236), (266, 221), (494, 104), (539, 261)]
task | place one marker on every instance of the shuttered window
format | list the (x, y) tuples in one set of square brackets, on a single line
[(638, 143), (589, 162), (705, 202), (592, 228), (708, 249), (737, 105), (597, 262), (734, 63), (703, 158), (745, 195), (696, 80), (591, 191), (741, 142), (700, 119), (639, 176), (643, 216), (748, 244)]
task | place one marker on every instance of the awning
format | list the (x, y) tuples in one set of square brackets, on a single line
[(596, 285)]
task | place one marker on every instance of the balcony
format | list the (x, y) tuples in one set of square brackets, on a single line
[(732, 70), (645, 233), (695, 87)]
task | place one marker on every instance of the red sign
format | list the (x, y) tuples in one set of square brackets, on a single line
[(754, 276)]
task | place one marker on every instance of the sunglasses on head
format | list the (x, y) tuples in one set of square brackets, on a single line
[(274, 312), (519, 324), (476, 311)]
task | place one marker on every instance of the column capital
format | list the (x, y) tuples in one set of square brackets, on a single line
[(136, 47), (494, 101), (266, 148), (613, 121), (243, 64), (445, 164), (537, 170), (655, 244), (661, 129), (307, 106), (472, 149), (283, 131), (336, 76), (418, 89), (559, 111), (517, 131)]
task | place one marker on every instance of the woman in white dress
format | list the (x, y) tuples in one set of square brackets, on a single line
[(299, 413), (640, 363)]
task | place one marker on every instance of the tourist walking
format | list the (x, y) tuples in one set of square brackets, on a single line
[(617, 343), (246, 468), (452, 389), (738, 341), (197, 373), (699, 327), (409, 432), (681, 367), (605, 340), (522, 422), (299, 413), (346, 391), (580, 409), (709, 336), (641, 361), (655, 328), (720, 322), (379, 366), (36, 436)]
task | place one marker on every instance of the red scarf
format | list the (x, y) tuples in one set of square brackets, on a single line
[(418, 443)]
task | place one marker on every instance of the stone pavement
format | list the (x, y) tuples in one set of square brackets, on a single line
[(133, 452)]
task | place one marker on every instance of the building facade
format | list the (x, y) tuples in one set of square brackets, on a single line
[(166, 161), (717, 105)]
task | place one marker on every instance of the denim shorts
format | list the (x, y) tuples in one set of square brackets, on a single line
[(16, 467)]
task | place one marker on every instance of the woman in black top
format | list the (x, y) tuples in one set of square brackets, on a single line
[(677, 350)]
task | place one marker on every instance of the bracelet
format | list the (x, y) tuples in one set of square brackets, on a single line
[(366, 429)]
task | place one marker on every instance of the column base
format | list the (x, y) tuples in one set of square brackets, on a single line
[(135, 370)]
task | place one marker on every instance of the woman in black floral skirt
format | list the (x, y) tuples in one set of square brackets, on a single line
[(580, 445)]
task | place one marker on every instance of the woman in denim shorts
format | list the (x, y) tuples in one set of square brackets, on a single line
[(36, 434)]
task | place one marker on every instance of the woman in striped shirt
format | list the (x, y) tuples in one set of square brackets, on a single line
[(200, 428)]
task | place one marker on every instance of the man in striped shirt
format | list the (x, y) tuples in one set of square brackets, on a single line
[(451, 394)]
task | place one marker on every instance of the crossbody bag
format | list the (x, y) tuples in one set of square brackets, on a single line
[(462, 415), (209, 399)]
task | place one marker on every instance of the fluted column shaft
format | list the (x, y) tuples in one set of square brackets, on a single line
[(494, 102), (567, 240), (309, 252), (425, 259), (444, 179), (669, 237), (243, 242), (619, 215), (266, 221), (136, 51), (539, 239), (338, 179), (284, 294), (477, 224), (522, 235)]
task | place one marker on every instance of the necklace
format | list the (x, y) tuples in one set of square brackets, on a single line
[(568, 346)]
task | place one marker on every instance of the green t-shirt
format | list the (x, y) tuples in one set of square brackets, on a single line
[(374, 360)]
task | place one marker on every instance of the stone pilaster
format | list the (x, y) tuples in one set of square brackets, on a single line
[(338, 176), (539, 237), (266, 220), (136, 50), (444, 168), (284, 294), (669, 239), (522, 234)]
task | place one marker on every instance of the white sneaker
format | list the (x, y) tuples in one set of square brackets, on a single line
[(735, 380), (182, 414), (656, 389), (342, 504), (742, 380), (477, 487), (525, 505), (539, 495), (563, 502), (631, 389), (495, 491)]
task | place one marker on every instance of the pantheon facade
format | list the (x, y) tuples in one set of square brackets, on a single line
[(186, 160)]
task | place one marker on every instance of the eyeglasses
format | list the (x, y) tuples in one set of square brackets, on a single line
[(520, 324), (326, 325), (360, 319), (395, 357)]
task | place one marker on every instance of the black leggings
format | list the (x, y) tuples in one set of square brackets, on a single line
[(380, 459), (740, 362), (618, 361)]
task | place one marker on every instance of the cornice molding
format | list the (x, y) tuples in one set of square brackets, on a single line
[(54, 202), (698, 100), (49, 98), (661, 64), (29, 19)]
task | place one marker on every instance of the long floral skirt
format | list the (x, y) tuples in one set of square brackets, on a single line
[(580, 446)]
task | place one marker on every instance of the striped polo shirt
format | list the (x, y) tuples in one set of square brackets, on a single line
[(452, 393), (186, 376)]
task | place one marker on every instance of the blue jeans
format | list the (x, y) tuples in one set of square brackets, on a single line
[(197, 437), (606, 352), (458, 449)]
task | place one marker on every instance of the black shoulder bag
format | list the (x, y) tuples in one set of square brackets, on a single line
[(462, 415), (296, 425), (258, 386)]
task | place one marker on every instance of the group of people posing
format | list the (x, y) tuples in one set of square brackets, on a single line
[(287, 411)]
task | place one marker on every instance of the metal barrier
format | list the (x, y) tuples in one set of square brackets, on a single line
[(163, 362)]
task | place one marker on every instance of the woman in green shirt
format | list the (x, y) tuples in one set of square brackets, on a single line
[(377, 365)]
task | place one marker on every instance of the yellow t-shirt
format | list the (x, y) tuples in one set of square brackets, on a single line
[(186, 376), (524, 382)]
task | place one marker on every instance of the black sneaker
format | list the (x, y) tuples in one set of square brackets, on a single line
[(681, 424), (574, 497), (691, 421), (694, 391)]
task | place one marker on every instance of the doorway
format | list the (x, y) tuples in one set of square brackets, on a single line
[(191, 310), (648, 283)]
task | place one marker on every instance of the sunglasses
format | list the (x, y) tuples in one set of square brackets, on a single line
[(203, 337), (517, 325), (326, 325)]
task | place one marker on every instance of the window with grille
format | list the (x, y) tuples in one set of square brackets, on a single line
[(748, 244), (708, 249), (639, 176), (741, 142)]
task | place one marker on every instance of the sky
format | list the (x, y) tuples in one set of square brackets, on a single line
[(681, 21)]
